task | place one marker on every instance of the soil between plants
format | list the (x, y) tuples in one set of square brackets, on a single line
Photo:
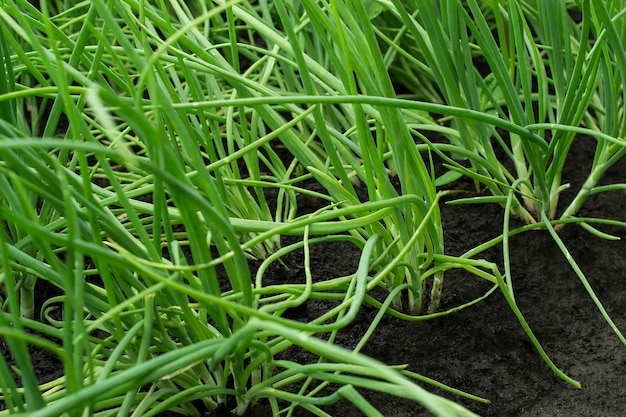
[(482, 349)]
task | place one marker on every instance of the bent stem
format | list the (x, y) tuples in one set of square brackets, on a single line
[(582, 278), (520, 317), (507, 290)]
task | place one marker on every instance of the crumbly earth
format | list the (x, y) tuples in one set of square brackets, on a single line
[(482, 349)]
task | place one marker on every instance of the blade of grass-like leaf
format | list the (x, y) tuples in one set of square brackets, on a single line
[(348, 392), (602, 14), (402, 386), (598, 233), (582, 278), (10, 395), (522, 36), (520, 317), (8, 109), (377, 101), (73, 305), (505, 240)]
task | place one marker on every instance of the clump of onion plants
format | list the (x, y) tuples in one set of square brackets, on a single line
[(330, 49), (548, 77), (156, 180), (517, 86)]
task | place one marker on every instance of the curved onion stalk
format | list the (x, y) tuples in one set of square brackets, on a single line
[(583, 280)]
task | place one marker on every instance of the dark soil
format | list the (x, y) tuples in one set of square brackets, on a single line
[(482, 349)]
